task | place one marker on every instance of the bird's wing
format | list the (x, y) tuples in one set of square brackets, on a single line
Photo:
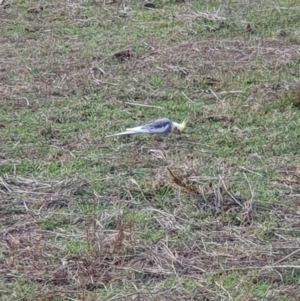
[(159, 126)]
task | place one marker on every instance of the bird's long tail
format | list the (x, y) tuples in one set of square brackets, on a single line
[(120, 134), (130, 131)]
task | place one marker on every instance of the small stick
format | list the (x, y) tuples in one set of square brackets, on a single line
[(142, 105)]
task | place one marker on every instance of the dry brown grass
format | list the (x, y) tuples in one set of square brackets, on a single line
[(214, 248)]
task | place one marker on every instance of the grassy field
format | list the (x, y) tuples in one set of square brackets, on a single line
[(210, 214)]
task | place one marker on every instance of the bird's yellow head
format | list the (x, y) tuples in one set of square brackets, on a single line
[(180, 126)]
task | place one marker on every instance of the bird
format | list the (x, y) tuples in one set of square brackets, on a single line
[(159, 127)]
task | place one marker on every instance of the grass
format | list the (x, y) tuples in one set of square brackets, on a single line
[(208, 214)]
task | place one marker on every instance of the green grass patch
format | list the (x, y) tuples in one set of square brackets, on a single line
[(210, 213)]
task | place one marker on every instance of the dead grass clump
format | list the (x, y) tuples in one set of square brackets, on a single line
[(123, 55), (123, 236), (38, 9), (149, 5), (296, 94), (181, 183)]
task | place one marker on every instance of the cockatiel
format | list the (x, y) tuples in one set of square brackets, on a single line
[(158, 127)]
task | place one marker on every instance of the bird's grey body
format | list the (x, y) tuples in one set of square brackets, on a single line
[(159, 127)]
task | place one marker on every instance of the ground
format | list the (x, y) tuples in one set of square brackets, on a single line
[(212, 213)]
